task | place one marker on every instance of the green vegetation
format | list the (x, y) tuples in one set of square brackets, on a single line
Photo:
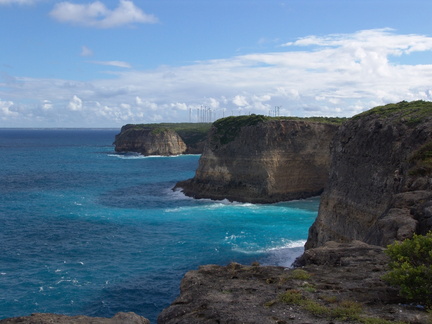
[(228, 128), (347, 310), (292, 296), (422, 161), (411, 268), (410, 113), (300, 274)]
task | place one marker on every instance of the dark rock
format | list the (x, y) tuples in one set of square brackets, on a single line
[(380, 183)]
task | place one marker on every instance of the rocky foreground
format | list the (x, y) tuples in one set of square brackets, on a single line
[(336, 283)]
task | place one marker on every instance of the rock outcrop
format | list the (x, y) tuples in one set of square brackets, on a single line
[(149, 141), (162, 139), (262, 160), (380, 184), (337, 282), (42, 318)]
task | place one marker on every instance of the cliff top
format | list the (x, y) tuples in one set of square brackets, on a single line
[(410, 113), (226, 129), (191, 133)]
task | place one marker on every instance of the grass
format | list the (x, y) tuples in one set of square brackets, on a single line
[(300, 274), (292, 296), (346, 310), (228, 128)]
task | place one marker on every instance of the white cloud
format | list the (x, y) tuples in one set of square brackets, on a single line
[(97, 15), (113, 63), (179, 106), (85, 51), (46, 105), (240, 101), (75, 104), (333, 75), (214, 103), (6, 111)]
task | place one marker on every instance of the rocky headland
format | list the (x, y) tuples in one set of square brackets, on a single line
[(378, 191), (380, 185), (162, 139), (263, 160)]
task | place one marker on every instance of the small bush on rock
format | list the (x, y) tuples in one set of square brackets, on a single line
[(411, 268)]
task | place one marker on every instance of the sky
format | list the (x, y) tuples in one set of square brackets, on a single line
[(107, 63)]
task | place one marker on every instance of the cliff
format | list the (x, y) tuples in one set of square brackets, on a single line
[(380, 183), (162, 139), (261, 160)]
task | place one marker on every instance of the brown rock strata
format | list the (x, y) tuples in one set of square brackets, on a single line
[(270, 161), (149, 141)]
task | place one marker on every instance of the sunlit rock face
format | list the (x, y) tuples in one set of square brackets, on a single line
[(380, 183), (262, 160), (148, 141)]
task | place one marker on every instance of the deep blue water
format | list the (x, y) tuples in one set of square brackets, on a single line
[(86, 231)]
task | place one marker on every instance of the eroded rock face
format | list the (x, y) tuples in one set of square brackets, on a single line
[(149, 141), (41, 318), (266, 162), (380, 185)]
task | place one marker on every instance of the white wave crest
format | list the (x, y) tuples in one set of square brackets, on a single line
[(134, 156), (255, 249)]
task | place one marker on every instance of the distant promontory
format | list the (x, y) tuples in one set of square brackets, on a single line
[(162, 139)]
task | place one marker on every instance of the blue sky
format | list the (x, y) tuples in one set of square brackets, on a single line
[(107, 63)]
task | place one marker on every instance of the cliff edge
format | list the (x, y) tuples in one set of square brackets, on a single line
[(262, 160), (380, 184)]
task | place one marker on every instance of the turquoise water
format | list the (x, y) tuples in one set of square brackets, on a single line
[(86, 231)]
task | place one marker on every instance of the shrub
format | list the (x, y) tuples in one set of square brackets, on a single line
[(292, 296), (411, 268), (300, 274)]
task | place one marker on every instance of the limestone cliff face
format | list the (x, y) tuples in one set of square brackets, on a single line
[(149, 141), (380, 185), (262, 161)]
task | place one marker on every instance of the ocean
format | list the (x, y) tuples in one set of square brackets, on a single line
[(84, 230)]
